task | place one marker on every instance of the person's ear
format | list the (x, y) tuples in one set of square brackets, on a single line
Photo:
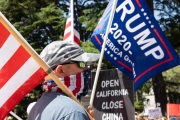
[(59, 71)]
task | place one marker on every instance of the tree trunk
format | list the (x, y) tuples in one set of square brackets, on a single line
[(158, 81), (160, 92)]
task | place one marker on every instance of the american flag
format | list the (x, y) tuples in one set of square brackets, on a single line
[(71, 34), (19, 72)]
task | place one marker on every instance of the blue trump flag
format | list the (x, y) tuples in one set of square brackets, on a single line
[(136, 44)]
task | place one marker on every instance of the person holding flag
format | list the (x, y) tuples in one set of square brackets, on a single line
[(68, 61), (30, 71), (65, 59)]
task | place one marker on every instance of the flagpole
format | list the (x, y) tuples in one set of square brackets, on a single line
[(34, 54), (72, 19), (102, 51), (17, 117)]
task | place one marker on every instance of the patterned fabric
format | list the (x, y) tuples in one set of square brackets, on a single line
[(86, 74), (61, 52), (50, 86), (78, 84)]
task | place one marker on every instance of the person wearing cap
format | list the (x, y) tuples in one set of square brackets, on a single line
[(65, 59)]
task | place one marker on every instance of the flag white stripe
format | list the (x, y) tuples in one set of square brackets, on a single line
[(72, 82), (68, 29), (69, 39), (62, 80), (18, 79), (6, 51), (76, 33), (68, 20)]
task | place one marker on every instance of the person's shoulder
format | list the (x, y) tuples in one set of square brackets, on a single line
[(64, 102), (69, 108), (76, 115)]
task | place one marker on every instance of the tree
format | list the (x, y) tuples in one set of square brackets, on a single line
[(40, 22), (169, 19), (170, 22), (172, 81)]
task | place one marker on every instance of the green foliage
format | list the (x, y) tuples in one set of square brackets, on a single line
[(89, 47), (139, 98), (88, 19), (146, 88), (139, 107), (171, 78), (40, 22), (172, 81), (169, 19), (50, 15)]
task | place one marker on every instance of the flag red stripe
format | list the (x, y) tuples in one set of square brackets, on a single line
[(18, 95), (124, 65), (4, 33), (77, 40), (97, 39), (67, 35), (68, 24), (67, 81), (78, 84), (13, 64), (164, 44), (153, 67), (139, 4)]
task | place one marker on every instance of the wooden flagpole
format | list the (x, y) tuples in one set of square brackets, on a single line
[(33, 53), (102, 51)]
